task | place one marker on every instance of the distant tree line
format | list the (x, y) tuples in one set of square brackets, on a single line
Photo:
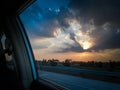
[(110, 65)]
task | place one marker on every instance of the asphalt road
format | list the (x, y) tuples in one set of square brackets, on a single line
[(78, 70), (77, 83)]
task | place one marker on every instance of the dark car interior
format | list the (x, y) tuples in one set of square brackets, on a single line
[(15, 68), (8, 74)]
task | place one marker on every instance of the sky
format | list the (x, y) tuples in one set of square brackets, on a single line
[(81, 30)]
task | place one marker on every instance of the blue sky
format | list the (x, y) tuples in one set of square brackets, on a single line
[(77, 27)]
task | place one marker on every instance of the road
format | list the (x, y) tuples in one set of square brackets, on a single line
[(77, 83), (78, 70)]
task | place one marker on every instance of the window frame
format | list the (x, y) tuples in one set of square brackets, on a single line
[(37, 80), (28, 48)]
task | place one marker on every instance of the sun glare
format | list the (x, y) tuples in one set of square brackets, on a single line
[(86, 45)]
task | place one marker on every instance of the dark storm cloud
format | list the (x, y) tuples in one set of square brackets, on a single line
[(42, 19), (102, 12), (71, 48), (76, 48), (106, 39)]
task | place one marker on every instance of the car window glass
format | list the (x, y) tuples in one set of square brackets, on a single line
[(75, 42)]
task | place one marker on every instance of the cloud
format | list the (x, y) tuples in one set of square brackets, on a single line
[(37, 23), (106, 37), (41, 18), (40, 43), (99, 20), (73, 25), (102, 11), (62, 42)]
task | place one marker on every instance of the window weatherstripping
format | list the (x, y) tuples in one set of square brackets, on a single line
[(28, 49)]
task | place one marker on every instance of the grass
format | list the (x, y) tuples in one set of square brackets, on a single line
[(101, 69)]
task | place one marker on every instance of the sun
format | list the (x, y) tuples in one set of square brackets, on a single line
[(86, 45)]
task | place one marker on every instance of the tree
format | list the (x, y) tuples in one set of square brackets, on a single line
[(67, 62), (53, 62), (44, 62)]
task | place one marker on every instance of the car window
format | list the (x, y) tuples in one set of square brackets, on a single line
[(75, 42)]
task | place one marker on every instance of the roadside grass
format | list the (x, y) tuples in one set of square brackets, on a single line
[(100, 69)]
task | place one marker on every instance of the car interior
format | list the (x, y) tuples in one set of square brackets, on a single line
[(17, 67)]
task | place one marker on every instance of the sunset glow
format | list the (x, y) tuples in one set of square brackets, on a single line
[(73, 29), (86, 45)]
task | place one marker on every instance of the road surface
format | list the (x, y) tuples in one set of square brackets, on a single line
[(86, 71), (77, 83)]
